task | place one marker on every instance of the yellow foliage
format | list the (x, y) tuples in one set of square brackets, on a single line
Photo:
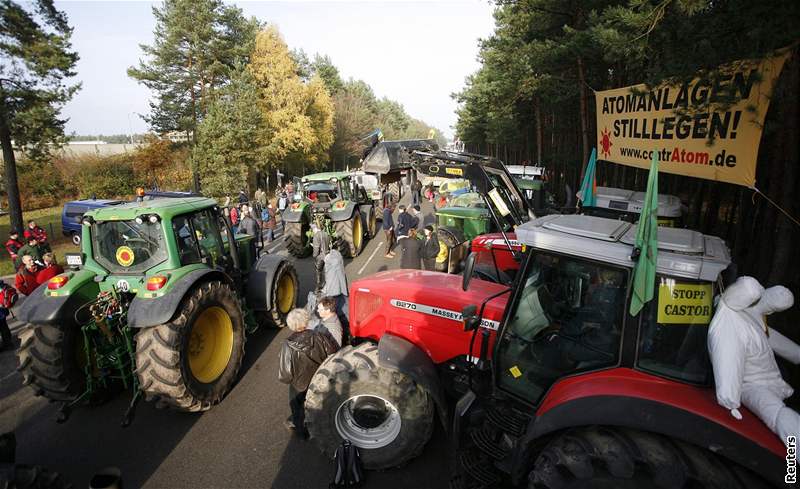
[(298, 116)]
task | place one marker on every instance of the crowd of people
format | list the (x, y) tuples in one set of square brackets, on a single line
[(249, 216)]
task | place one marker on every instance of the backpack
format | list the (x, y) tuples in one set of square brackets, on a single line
[(348, 469), (8, 295)]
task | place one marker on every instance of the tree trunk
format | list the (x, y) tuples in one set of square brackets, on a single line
[(584, 114), (538, 132), (10, 172)]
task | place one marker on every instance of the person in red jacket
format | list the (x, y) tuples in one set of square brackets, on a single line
[(34, 231), (51, 268), (13, 245), (25, 281)]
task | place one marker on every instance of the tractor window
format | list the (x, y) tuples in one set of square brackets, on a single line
[(674, 330), (321, 192), (208, 236), (568, 320), (186, 241), (127, 246)]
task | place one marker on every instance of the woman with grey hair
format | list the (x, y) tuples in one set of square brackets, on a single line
[(300, 356)]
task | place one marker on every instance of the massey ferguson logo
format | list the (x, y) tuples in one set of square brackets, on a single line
[(439, 312)]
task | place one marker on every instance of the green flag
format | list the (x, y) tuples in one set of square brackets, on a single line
[(588, 192), (644, 274)]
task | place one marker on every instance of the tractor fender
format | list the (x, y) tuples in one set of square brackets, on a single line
[(294, 215), (744, 448), (455, 233), (260, 282), (39, 308), (151, 312), (343, 214), (399, 354)]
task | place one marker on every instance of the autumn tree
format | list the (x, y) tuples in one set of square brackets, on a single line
[(298, 116), (152, 159), (36, 58)]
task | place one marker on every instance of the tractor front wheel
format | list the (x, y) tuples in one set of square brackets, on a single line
[(451, 251), (381, 411), (351, 233), (297, 240), (191, 362), (616, 458), (284, 294), (372, 223), (52, 359)]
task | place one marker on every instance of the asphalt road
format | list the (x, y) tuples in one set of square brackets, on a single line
[(240, 443)]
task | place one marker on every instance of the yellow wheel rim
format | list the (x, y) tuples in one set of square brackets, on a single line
[(286, 293), (373, 225), (210, 344), (357, 233), (443, 252)]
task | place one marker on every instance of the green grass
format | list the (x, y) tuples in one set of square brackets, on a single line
[(50, 220)]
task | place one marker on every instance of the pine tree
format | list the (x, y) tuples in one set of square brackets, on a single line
[(35, 59), (197, 44)]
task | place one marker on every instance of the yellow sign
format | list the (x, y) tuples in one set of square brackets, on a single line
[(684, 303), (515, 372), (706, 128), (454, 171), (125, 256)]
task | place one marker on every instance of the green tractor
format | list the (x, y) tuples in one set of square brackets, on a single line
[(158, 302), (338, 205)]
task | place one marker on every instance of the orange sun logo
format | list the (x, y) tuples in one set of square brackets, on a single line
[(605, 142)]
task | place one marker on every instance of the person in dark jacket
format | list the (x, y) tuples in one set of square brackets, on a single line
[(300, 356), (412, 251), (248, 225), (320, 246), (388, 230), (430, 249), (31, 249), (243, 199)]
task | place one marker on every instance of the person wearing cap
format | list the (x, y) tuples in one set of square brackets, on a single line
[(13, 246), (430, 249), (31, 249)]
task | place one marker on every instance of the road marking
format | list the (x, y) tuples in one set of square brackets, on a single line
[(370, 257)]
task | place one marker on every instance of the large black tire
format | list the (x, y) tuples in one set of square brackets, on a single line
[(49, 360), (30, 477), (450, 252), (617, 458), (372, 223), (284, 300), (354, 371), (297, 240), (163, 353), (351, 233)]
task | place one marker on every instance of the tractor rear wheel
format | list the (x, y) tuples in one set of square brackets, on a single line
[(52, 359), (285, 288), (611, 458), (451, 253), (297, 240), (351, 232), (372, 223), (383, 412), (191, 362)]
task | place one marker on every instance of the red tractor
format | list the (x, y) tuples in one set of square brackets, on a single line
[(549, 383)]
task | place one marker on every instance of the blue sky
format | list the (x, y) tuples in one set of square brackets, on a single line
[(417, 53)]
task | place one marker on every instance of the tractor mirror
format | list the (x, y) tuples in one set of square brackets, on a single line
[(469, 315), (469, 266)]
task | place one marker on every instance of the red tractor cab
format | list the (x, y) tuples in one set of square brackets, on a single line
[(550, 382)]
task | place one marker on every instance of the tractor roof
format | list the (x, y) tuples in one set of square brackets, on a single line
[(621, 199), (682, 252), (326, 176), (165, 208)]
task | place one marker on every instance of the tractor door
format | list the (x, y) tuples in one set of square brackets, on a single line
[(199, 240), (567, 317)]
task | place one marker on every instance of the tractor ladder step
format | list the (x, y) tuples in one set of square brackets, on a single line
[(507, 420), (485, 440), (478, 468)]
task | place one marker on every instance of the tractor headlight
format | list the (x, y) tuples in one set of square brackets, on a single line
[(139, 220), (153, 218)]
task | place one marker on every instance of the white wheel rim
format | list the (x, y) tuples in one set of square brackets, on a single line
[(368, 421)]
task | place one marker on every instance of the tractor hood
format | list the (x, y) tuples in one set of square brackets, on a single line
[(464, 212), (424, 308)]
